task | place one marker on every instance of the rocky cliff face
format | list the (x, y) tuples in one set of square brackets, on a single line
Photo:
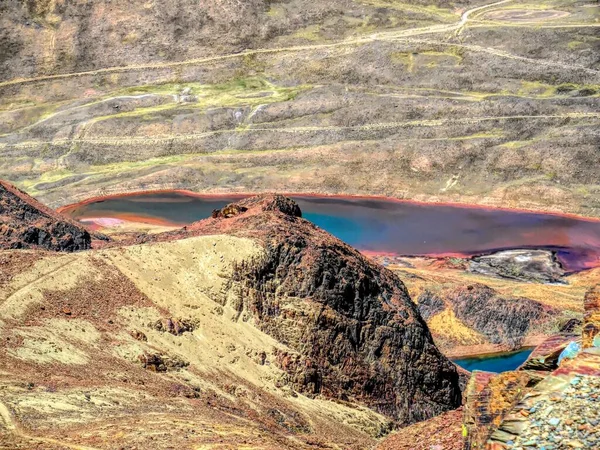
[(25, 223), (496, 318), (500, 319), (353, 328)]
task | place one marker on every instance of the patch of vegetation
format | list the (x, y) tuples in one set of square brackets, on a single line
[(573, 45), (102, 170), (517, 144), (53, 176), (491, 134), (242, 91), (540, 90), (432, 11), (427, 58), (456, 262), (406, 58), (130, 38), (276, 11), (310, 33)]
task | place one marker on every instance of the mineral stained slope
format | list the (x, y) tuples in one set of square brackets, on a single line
[(26, 223), (251, 329)]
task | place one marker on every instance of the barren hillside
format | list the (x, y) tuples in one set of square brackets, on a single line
[(485, 102), (208, 337)]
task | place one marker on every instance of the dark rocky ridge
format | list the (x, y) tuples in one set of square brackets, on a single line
[(430, 304), (26, 223), (354, 329), (502, 320), (499, 319)]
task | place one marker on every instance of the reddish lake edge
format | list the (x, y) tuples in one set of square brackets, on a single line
[(133, 217), (72, 206)]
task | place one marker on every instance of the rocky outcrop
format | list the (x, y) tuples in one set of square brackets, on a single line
[(559, 410), (540, 266), (26, 223), (430, 304), (353, 329), (502, 320), (591, 326), (545, 356), (488, 398)]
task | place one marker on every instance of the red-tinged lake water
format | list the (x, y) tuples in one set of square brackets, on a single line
[(386, 226)]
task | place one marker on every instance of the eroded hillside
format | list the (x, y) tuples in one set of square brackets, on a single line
[(250, 329), (485, 102)]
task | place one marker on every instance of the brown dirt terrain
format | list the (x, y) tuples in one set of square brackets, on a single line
[(170, 344), (443, 432)]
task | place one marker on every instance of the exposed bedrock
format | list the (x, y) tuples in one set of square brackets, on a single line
[(502, 320), (499, 319), (430, 304), (26, 223), (353, 328), (591, 326), (488, 398), (540, 266)]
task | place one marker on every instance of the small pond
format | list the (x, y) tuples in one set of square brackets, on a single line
[(498, 362)]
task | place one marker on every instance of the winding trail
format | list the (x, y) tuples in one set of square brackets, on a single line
[(14, 429), (122, 140), (465, 17), (398, 35), (500, 53), (457, 27), (28, 285)]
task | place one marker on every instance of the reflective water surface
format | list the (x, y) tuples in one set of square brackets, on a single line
[(387, 226), (500, 362)]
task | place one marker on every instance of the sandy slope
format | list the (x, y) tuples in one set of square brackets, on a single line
[(71, 377)]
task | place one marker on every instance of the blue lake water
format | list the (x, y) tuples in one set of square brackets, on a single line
[(501, 362), (386, 226)]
